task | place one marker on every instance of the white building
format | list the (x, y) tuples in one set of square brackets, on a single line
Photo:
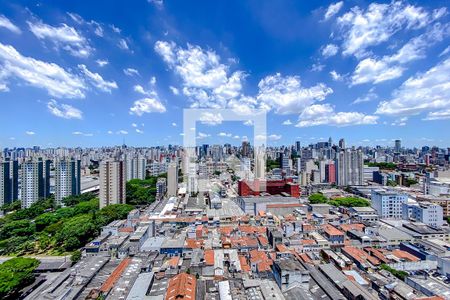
[(67, 179), (172, 180), (389, 205), (349, 167), (425, 212), (112, 182), (136, 168)]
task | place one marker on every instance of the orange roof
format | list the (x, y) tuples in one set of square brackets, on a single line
[(173, 262), (115, 275), (182, 286), (305, 258), (126, 229), (357, 227), (244, 265), (360, 255), (194, 243), (209, 257), (226, 230), (264, 266), (281, 248), (257, 256), (263, 240), (331, 230), (404, 255), (308, 242), (262, 213)]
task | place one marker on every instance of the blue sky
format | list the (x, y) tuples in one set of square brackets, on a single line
[(97, 73)]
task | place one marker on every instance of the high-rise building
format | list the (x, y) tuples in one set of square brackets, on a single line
[(389, 205), (398, 146), (161, 188), (136, 168), (342, 143), (245, 150), (330, 173), (9, 181), (35, 181), (297, 147), (349, 167), (112, 182), (67, 179), (172, 180)]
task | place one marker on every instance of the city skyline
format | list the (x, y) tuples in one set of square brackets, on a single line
[(76, 75)]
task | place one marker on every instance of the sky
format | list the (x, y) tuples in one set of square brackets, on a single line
[(103, 73)]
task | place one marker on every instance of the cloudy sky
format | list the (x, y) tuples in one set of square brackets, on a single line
[(93, 73)]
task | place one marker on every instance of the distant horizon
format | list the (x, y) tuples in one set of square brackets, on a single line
[(75, 74)]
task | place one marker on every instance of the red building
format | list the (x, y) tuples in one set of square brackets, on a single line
[(273, 187), (330, 173)]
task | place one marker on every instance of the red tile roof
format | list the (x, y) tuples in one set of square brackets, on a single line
[(182, 286)]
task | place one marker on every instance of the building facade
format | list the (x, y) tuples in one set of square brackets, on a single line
[(112, 182), (389, 205), (67, 179)]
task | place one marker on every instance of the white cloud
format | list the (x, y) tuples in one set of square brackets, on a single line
[(174, 124), (64, 37), (236, 137), (115, 29), (206, 81), (367, 98), (429, 91), (317, 67), (139, 131), (390, 67), (64, 111), (336, 76), (102, 62), (438, 115), (147, 105), (400, 122), (224, 134), (110, 132), (363, 29), (97, 80), (30, 132), (122, 132), (174, 90), (324, 114), (82, 133), (446, 51), (285, 94), (6, 23), (49, 76), (272, 137), (134, 125), (287, 122), (211, 119), (333, 9), (140, 89), (376, 71), (329, 50), (202, 135), (123, 44), (131, 72), (248, 123), (158, 3)]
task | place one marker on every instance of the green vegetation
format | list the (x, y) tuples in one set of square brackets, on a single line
[(142, 192), (344, 201), (391, 183), (409, 181), (317, 198), (349, 202), (383, 165), (271, 164), (45, 229), (399, 274), (16, 274)]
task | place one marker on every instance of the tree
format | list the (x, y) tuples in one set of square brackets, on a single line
[(15, 274), (76, 256), (350, 202), (317, 198)]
